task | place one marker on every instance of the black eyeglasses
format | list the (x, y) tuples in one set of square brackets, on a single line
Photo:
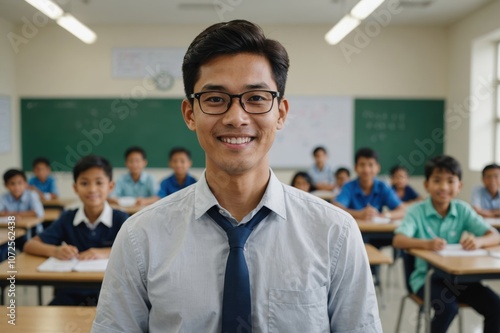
[(218, 102)]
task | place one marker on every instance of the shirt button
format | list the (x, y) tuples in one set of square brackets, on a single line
[(221, 212)]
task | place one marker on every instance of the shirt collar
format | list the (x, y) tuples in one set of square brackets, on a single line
[(431, 211), (375, 187), (273, 198), (24, 197), (105, 218)]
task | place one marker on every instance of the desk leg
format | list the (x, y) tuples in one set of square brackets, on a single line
[(40, 295), (427, 300)]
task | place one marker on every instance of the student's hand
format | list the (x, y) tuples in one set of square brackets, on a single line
[(470, 243), (93, 253), (436, 244), (369, 212), (141, 202), (65, 252)]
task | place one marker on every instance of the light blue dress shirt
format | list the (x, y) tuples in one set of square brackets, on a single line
[(326, 175), (482, 198), (126, 187), (29, 200), (308, 267)]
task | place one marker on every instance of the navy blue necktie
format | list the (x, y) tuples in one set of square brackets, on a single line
[(236, 300)]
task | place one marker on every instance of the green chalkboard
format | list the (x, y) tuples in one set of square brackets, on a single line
[(402, 131), (65, 129)]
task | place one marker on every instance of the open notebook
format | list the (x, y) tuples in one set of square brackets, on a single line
[(456, 250), (55, 265)]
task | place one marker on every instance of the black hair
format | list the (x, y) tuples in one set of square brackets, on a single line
[(397, 168), (443, 162), (231, 38), (40, 160), (366, 153), (490, 167), (92, 161), (135, 149), (177, 150), (304, 175), (12, 173), (340, 170), (318, 149)]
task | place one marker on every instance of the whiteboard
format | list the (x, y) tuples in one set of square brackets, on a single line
[(315, 121), (136, 62)]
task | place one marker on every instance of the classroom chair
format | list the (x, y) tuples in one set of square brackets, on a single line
[(408, 267)]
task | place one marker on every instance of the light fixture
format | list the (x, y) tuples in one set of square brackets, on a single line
[(77, 28), (65, 20), (350, 21)]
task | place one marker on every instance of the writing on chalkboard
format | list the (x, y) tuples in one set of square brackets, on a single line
[(383, 122)]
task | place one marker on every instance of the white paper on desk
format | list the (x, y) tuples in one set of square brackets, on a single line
[(456, 250), (55, 265), (381, 220), (96, 265), (494, 253)]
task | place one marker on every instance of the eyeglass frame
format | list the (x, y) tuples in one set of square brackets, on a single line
[(274, 94)]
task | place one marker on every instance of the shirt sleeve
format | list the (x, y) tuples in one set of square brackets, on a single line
[(409, 224), (352, 302), (36, 204), (152, 186), (391, 198), (474, 223), (162, 192), (53, 186), (123, 302), (118, 191), (475, 199), (54, 234), (345, 196)]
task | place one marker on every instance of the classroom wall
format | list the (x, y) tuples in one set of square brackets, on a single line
[(400, 62), (461, 36)]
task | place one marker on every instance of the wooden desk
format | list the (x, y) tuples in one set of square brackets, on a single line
[(26, 265), (376, 257), (4, 235), (45, 319), (456, 270), (366, 226), (27, 223), (325, 195), (128, 209), (494, 222), (51, 214)]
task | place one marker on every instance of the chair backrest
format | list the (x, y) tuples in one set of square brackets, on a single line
[(409, 267)]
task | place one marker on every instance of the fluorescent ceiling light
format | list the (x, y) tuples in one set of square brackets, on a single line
[(47, 7), (341, 29), (364, 8), (77, 28)]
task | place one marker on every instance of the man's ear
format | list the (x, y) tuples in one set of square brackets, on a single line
[(188, 114), (283, 113)]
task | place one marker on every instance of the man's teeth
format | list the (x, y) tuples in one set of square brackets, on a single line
[(236, 141)]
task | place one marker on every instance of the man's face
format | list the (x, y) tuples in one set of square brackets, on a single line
[(235, 142)]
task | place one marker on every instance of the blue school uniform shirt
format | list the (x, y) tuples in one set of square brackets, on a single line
[(410, 193), (321, 176), (74, 228), (352, 196), (126, 187), (49, 186), (170, 185), (422, 221), (29, 200), (482, 198)]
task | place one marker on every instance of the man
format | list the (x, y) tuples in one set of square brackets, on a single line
[(303, 267)]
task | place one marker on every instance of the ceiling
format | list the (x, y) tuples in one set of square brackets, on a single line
[(161, 12)]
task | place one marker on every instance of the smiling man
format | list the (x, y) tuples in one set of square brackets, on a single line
[(238, 251)]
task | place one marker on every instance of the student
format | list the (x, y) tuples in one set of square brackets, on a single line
[(136, 183), (84, 233), (307, 264), (321, 173), (399, 183), (365, 197), (42, 182), (439, 220), (302, 181), (486, 199), (342, 176), (19, 201), (179, 162)]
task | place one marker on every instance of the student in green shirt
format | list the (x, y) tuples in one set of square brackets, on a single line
[(439, 220)]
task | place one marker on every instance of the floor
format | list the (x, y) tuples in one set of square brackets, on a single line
[(389, 303)]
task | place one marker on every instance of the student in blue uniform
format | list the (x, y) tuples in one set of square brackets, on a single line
[(42, 182), (399, 182), (19, 201), (486, 199), (85, 233), (179, 162)]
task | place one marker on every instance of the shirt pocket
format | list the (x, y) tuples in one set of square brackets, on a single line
[(298, 310)]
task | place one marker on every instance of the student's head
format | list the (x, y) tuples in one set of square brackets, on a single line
[(15, 182), (179, 160), (93, 180), (41, 168), (399, 176), (135, 160), (342, 176), (442, 178), (320, 156), (366, 164), (491, 178), (228, 59), (302, 181)]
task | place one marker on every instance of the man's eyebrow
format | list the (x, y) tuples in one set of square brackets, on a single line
[(218, 87)]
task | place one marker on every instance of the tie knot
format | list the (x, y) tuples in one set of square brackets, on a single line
[(237, 237)]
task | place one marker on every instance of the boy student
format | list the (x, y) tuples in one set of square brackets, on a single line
[(84, 233), (437, 221), (179, 162), (42, 182), (136, 183), (172, 269), (321, 173), (365, 196), (19, 201), (399, 182), (486, 199), (342, 176)]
